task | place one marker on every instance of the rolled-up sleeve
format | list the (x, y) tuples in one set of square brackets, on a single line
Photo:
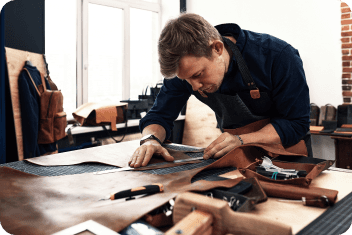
[(291, 97), (172, 97)]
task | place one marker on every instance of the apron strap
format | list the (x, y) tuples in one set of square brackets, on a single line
[(35, 86), (242, 66)]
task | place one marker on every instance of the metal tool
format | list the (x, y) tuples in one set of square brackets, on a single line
[(144, 229), (267, 168), (128, 168), (129, 193)]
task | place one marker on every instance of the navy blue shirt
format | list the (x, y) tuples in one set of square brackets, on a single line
[(276, 68)]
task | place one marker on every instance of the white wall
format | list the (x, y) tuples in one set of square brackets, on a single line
[(169, 9), (311, 26)]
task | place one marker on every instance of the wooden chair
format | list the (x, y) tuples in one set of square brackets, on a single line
[(200, 124)]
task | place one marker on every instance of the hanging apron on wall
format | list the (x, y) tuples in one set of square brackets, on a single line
[(246, 112)]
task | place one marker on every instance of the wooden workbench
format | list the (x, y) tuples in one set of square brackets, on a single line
[(293, 214)]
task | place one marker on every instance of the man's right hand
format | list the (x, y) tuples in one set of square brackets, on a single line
[(145, 152)]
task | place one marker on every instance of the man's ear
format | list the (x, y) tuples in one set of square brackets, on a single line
[(218, 47)]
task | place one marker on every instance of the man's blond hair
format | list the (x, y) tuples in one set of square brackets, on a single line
[(188, 34)]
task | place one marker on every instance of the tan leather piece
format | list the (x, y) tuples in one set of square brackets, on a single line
[(106, 112), (44, 205), (252, 127), (112, 154), (299, 148)]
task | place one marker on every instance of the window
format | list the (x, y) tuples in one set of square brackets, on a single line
[(102, 49), (60, 48)]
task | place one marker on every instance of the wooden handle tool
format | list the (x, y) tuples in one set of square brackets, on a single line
[(224, 219)]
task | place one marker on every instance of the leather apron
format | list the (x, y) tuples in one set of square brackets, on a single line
[(246, 111)]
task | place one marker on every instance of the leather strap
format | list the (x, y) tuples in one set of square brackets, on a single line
[(35, 86), (242, 66), (297, 192), (43, 81)]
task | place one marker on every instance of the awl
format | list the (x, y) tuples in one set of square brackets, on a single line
[(128, 168)]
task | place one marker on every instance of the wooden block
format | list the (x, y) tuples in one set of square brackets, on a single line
[(316, 129), (195, 223), (225, 220), (15, 60)]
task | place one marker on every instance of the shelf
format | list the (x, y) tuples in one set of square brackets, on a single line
[(130, 123)]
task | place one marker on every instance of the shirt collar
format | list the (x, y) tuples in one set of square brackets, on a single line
[(240, 37), (236, 31)]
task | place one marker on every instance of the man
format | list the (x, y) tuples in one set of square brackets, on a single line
[(271, 96)]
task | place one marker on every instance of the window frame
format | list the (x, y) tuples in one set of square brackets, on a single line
[(82, 42)]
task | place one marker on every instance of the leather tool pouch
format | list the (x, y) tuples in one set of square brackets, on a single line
[(101, 114), (247, 157), (52, 118)]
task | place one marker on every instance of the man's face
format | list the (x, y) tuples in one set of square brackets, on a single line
[(202, 73)]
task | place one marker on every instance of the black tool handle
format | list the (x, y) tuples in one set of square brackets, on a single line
[(279, 176), (148, 189)]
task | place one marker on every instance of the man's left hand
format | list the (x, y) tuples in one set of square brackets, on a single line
[(221, 146)]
